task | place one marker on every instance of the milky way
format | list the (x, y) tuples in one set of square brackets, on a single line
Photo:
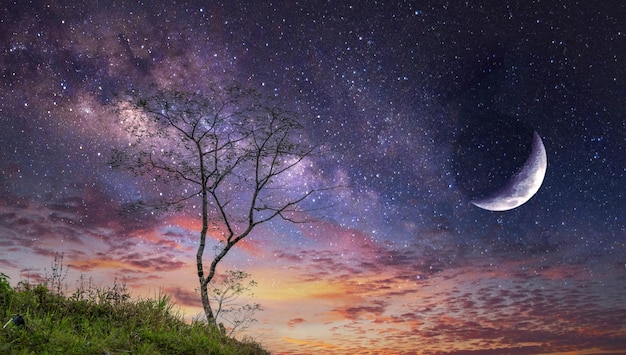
[(419, 107)]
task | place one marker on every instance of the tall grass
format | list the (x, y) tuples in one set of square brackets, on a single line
[(103, 321)]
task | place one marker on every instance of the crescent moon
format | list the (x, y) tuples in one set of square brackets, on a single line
[(523, 185)]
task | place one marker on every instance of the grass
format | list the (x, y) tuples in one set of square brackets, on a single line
[(103, 321)]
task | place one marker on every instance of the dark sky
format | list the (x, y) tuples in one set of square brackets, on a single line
[(421, 107)]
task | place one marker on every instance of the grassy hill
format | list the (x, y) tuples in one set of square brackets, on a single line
[(103, 321)]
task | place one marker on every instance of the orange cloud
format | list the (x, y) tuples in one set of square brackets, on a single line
[(310, 343), (131, 262), (86, 265), (294, 321)]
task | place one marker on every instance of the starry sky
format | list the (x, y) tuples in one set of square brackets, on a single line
[(420, 107)]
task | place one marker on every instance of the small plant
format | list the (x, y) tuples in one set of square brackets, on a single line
[(85, 290), (116, 294), (236, 316), (5, 290), (55, 280), (5, 286)]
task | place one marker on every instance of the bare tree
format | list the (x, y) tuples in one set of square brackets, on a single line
[(225, 295), (230, 148)]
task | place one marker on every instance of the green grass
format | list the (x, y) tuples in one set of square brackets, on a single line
[(104, 321)]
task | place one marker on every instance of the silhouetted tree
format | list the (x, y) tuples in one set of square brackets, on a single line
[(225, 296), (232, 149)]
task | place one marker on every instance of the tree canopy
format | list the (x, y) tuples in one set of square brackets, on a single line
[(233, 150)]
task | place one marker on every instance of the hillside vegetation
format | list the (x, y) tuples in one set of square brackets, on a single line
[(102, 321)]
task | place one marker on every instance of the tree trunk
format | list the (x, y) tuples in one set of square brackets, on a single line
[(204, 293), (206, 305)]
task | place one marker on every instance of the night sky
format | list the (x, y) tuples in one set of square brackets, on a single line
[(420, 107)]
